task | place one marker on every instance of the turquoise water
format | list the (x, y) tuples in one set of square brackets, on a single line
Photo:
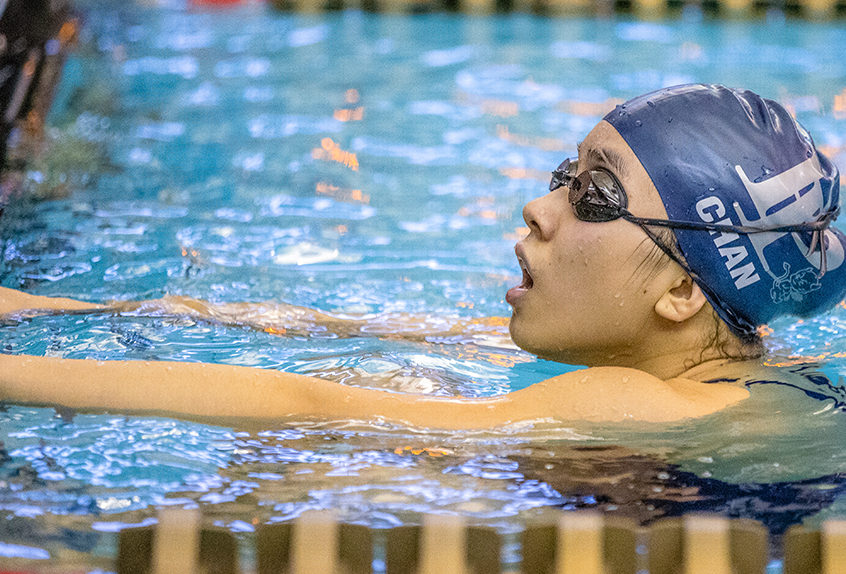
[(360, 163)]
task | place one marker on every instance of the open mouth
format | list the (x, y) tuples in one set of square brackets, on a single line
[(515, 293), (528, 282)]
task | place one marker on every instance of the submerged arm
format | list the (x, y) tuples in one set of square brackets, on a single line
[(210, 391), (13, 302), (276, 318), (283, 318)]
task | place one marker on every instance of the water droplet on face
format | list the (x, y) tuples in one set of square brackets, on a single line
[(711, 189), (638, 123)]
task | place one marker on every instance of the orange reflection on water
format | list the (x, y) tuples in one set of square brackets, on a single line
[(331, 151), (351, 97), (436, 452), (840, 105), (472, 353), (484, 213), (547, 144), (830, 150), (483, 207), (67, 32), (803, 359), (341, 193), (580, 108), (500, 108), (349, 115), (516, 235), (524, 173), (501, 360)]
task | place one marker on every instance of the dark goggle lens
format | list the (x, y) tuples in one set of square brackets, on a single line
[(595, 195), (599, 197), (563, 174)]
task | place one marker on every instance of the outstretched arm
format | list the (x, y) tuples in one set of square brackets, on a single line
[(276, 318), (14, 302), (204, 391), (283, 318)]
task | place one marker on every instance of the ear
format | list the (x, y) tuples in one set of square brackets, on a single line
[(681, 301)]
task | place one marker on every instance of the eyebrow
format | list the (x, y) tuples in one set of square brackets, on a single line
[(607, 158)]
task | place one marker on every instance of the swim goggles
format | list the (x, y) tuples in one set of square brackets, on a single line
[(597, 196)]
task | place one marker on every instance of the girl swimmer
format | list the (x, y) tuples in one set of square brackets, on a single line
[(693, 215)]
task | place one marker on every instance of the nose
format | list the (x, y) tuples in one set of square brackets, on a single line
[(541, 217)]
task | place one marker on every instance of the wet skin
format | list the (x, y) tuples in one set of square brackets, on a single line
[(587, 297)]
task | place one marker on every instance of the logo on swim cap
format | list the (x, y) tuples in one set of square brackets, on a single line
[(799, 194), (702, 146)]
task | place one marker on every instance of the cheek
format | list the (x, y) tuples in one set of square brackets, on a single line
[(600, 270), (586, 260)]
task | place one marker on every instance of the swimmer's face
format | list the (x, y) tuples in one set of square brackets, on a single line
[(588, 295)]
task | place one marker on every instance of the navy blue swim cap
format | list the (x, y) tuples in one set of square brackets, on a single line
[(718, 155)]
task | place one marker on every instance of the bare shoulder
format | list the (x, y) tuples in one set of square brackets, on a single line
[(619, 393)]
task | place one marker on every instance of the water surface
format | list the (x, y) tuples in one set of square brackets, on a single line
[(362, 163)]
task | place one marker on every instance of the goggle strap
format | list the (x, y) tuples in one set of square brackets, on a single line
[(814, 226)]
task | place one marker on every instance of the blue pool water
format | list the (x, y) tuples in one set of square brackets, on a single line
[(362, 163)]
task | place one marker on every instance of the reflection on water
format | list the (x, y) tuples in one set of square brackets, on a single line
[(372, 164)]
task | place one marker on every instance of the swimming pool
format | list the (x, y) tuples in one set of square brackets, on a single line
[(364, 163)]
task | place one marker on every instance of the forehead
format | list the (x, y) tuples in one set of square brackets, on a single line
[(604, 157), (605, 147)]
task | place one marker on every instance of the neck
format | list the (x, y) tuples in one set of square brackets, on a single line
[(687, 349), (681, 364)]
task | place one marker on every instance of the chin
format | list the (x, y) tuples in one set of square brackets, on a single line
[(529, 344), (516, 335), (542, 348)]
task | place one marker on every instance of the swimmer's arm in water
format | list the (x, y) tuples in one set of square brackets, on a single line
[(14, 302), (277, 318), (283, 318), (215, 392)]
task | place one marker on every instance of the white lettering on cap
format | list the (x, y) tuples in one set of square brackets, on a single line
[(709, 209)]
